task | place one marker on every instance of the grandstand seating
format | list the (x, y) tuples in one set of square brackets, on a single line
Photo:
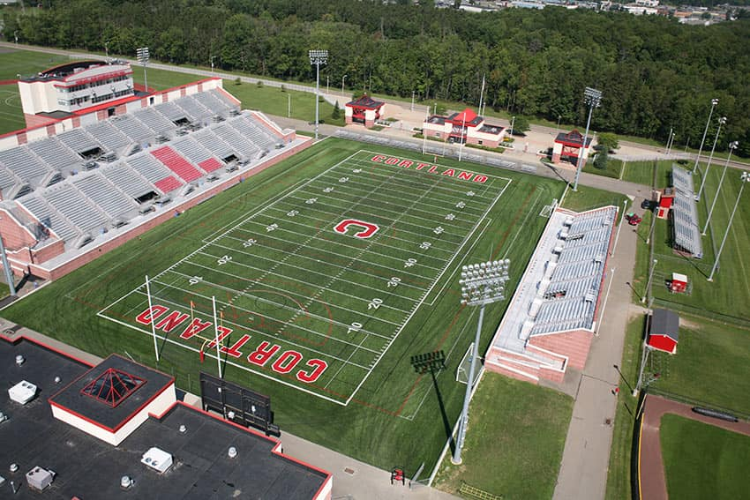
[(107, 197), (127, 179), (80, 211), (146, 165), (78, 140), (194, 109), (55, 153), (49, 217), (7, 179), (108, 136), (132, 128), (172, 112), (210, 165), (214, 102), (210, 141), (154, 120), (245, 147), (687, 235), (24, 164), (168, 184), (191, 150), (177, 163)]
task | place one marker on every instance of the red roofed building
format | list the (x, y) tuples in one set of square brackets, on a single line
[(568, 147), (364, 110), (464, 127)]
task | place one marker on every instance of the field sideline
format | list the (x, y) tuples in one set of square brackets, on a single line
[(396, 416)]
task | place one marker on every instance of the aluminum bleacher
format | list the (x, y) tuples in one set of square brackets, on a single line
[(49, 217), (146, 165), (172, 112), (132, 128), (154, 120), (108, 136), (262, 137), (218, 147), (24, 164), (687, 235), (78, 140), (126, 178), (102, 192), (197, 111), (79, 210), (244, 146), (191, 150), (176, 163), (54, 153)]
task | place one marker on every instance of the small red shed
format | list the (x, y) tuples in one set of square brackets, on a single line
[(662, 334), (665, 203), (679, 283)]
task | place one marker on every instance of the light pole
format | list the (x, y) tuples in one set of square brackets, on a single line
[(481, 284), (342, 84), (212, 66), (317, 57), (7, 269), (744, 178), (722, 121), (512, 123), (648, 282), (412, 99), (714, 102), (15, 36), (463, 137), (593, 99), (732, 146), (557, 130), (143, 58)]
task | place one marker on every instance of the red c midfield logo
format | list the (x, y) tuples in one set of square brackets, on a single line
[(369, 229)]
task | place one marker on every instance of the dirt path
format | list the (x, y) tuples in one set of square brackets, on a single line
[(651, 466)]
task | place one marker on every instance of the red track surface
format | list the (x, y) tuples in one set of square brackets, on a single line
[(651, 473)]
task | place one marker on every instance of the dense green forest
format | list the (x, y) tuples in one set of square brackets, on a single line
[(655, 73)]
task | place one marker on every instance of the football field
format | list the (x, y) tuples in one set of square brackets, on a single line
[(312, 288)]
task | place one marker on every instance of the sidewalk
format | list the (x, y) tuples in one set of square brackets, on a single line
[(352, 480)]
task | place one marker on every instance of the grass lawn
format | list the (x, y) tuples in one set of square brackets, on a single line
[(515, 440), (393, 416), (587, 198), (716, 351), (621, 453), (703, 461), (731, 285), (613, 169), (642, 172), (273, 101)]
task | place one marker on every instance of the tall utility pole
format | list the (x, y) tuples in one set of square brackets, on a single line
[(714, 102), (722, 121), (593, 99), (143, 58), (732, 146), (317, 57), (8, 271), (481, 284), (744, 178)]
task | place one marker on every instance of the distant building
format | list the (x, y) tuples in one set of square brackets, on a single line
[(663, 331), (568, 147), (464, 127), (70, 88), (364, 110)]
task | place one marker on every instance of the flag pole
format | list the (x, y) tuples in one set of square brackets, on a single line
[(216, 328), (151, 312)]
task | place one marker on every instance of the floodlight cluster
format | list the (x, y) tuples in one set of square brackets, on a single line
[(592, 97), (318, 56), (484, 283)]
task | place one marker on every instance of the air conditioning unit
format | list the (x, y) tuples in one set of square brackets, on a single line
[(22, 392), (38, 479), (157, 459)]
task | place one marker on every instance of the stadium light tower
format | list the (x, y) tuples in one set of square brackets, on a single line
[(714, 102), (722, 121), (744, 179), (732, 146), (317, 57), (143, 58), (8, 271), (481, 284), (593, 99)]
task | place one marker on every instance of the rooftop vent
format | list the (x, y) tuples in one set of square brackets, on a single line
[(13, 468), (126, 482), (232, 452), (22, 392), (38, 479), (568, 221), (20, 360), (183, 429), (3, 417), (590, 297), (157, 459), (234, 112)]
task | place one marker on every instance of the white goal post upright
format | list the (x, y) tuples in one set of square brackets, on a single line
[(151, 312), (216, 329)]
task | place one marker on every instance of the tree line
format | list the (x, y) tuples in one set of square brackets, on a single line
[(655, 74)]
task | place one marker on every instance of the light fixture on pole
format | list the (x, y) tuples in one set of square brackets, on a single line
[(317, 57), (481, 284), (732, 146), (714, 102), (342, 84), (744, 179), (143, 58), (593, 99), (722, 121), (648, 283)]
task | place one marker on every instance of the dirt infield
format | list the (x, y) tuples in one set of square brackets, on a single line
[(653, 484)]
